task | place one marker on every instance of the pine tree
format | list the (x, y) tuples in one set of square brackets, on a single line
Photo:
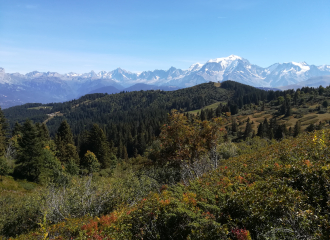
[(248, 129), (297, 129), (310, 128), (260, 132), (295, 98), (234, 125), (125, 155), (43, 132), (3, 133), (17, 129), (288, 111), (30, 153), (325, 104), (98, 144), (278, 133), (2, 142), (266, 125), (283, 108), (203, 115), (319, 126), (66, 150)]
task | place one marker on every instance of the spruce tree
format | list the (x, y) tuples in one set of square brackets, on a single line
[(266, 125), (203, 115), (310, 128), (17, 129), (98, 144), (234, 125), (2, 142), (30, 153), (43, 132), (3, 133), (263, 106), (297, 129), (278, 135), (283, 108), (288, 111), (325, 104), (248, 129), (66, 150), (260, 132)]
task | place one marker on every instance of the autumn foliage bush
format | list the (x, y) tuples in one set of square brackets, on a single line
[(277, 192)]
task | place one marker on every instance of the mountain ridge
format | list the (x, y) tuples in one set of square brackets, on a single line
[(72, 85)]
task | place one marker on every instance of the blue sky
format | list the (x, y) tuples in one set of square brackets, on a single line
[(81, 36)]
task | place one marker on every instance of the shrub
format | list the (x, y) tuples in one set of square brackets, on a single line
[(227, 150)]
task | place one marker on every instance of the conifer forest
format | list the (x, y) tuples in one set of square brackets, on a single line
[(214, 161)]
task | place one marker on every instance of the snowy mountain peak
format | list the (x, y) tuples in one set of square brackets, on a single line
[(226, 59), (303, 66), (72, 74), (2, 74), (195, 67), (232, 67), (324, 67)]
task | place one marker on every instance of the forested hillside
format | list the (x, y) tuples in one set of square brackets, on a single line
[(232, 163), (131, 119)]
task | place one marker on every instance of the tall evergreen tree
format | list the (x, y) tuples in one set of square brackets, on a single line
[(17, 129), (66, 150), (234, 125), (248, 129), (310, 128), (203, 115), (288, 111), (43, 132), (98, 144), (3, 133), (260, 132), (30, 153), (278, 135), (297, 129)]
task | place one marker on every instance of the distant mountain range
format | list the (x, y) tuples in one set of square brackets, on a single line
[(312, 82), (16, 88)]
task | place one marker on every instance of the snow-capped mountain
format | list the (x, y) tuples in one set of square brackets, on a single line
[(52, 86)]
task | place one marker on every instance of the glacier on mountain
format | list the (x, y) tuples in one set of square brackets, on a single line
[(53, 86)]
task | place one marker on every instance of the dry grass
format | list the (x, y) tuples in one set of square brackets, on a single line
[(212, 106)]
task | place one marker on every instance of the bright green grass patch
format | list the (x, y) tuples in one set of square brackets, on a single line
[(212, 106)]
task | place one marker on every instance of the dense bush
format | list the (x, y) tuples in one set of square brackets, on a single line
[(84, 197), (280, 191)]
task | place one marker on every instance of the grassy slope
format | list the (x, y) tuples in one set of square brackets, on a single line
[(282, 189), (306, 114)]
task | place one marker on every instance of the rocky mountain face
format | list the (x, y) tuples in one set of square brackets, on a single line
[(16, 88)]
